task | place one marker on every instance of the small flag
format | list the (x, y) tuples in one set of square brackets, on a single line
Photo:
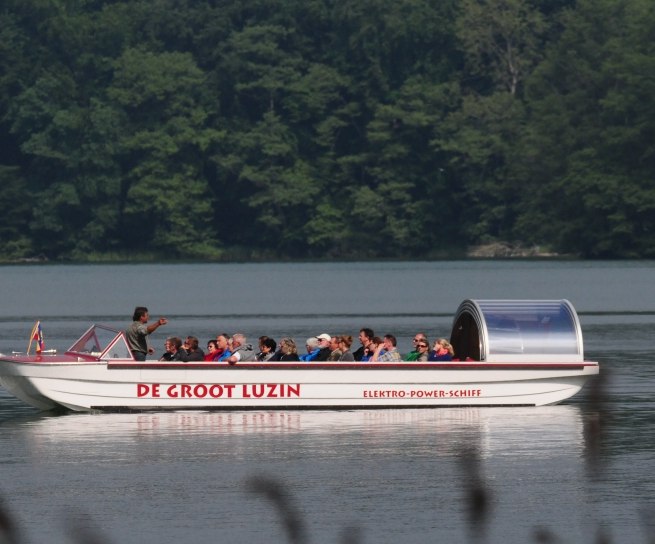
[(37, 336)]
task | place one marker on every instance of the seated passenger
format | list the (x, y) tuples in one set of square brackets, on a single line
[(191, 350), (365, 338), (370, 348), (415, 353), (213, 353), (335, 349), (259, 353), (324, 341), (223, 343), (266, 349), (423, 349), (241, 350), (287, 351), (387, 351), (344, 346), (442, 351), (312, 349), (173, 346)]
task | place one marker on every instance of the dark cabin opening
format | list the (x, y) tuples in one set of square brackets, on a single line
[(465, 338)]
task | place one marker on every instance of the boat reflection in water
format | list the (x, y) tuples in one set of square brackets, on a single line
[(372, 469), (533, 432)]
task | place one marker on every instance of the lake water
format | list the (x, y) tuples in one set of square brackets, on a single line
[(576, 472)]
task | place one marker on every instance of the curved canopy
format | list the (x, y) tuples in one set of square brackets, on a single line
[(513, 330)]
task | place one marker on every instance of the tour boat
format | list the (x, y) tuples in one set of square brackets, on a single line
[(509, 352)]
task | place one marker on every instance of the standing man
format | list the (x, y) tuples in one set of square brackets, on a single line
[(138, 332)]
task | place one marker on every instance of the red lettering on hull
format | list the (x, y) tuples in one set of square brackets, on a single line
[(421, 393), (270, 390), (217, 391)]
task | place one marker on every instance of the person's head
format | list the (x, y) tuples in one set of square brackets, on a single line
[(374, 343), (191, 343), (261, 341), (288, 346), (324, 340), (443, 346), (311, 344), (222, 340), (140, 314), (268, 345), (334, 343), (345, 342), (212, 346), (422, 346), (365, 336), (389, 342), (173, 344), (419, 337), (238, 339)]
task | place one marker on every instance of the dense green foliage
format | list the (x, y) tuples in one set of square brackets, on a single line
[(320, 129)]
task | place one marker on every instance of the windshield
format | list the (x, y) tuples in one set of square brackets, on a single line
[(98, 339)]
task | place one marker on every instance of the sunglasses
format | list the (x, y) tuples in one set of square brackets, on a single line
[(422, 345)]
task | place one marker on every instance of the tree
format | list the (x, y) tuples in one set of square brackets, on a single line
[(161, 141), (409, 171), (501, 39), (590, 150)]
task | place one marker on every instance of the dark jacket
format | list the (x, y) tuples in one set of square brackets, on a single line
[(279, 356), (323, 355)]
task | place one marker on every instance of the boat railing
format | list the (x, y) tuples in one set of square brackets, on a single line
[(44, 352)]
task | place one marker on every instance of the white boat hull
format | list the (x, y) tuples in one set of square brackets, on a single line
[(128, 385)]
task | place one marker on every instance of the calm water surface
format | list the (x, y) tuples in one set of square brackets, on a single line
[(572, 471)]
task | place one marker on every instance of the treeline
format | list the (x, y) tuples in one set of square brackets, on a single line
[(255, 129)]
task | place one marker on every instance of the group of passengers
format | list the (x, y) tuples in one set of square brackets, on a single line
[(323, 347)]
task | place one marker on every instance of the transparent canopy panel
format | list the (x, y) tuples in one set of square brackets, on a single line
[(508, 330)]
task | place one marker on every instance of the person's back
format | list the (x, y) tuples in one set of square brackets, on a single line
[(246, 352)]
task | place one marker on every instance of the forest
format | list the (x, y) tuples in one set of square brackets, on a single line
[(325, 129)]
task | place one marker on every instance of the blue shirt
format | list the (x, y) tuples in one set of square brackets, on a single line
[(225, 355), (310, 356)]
